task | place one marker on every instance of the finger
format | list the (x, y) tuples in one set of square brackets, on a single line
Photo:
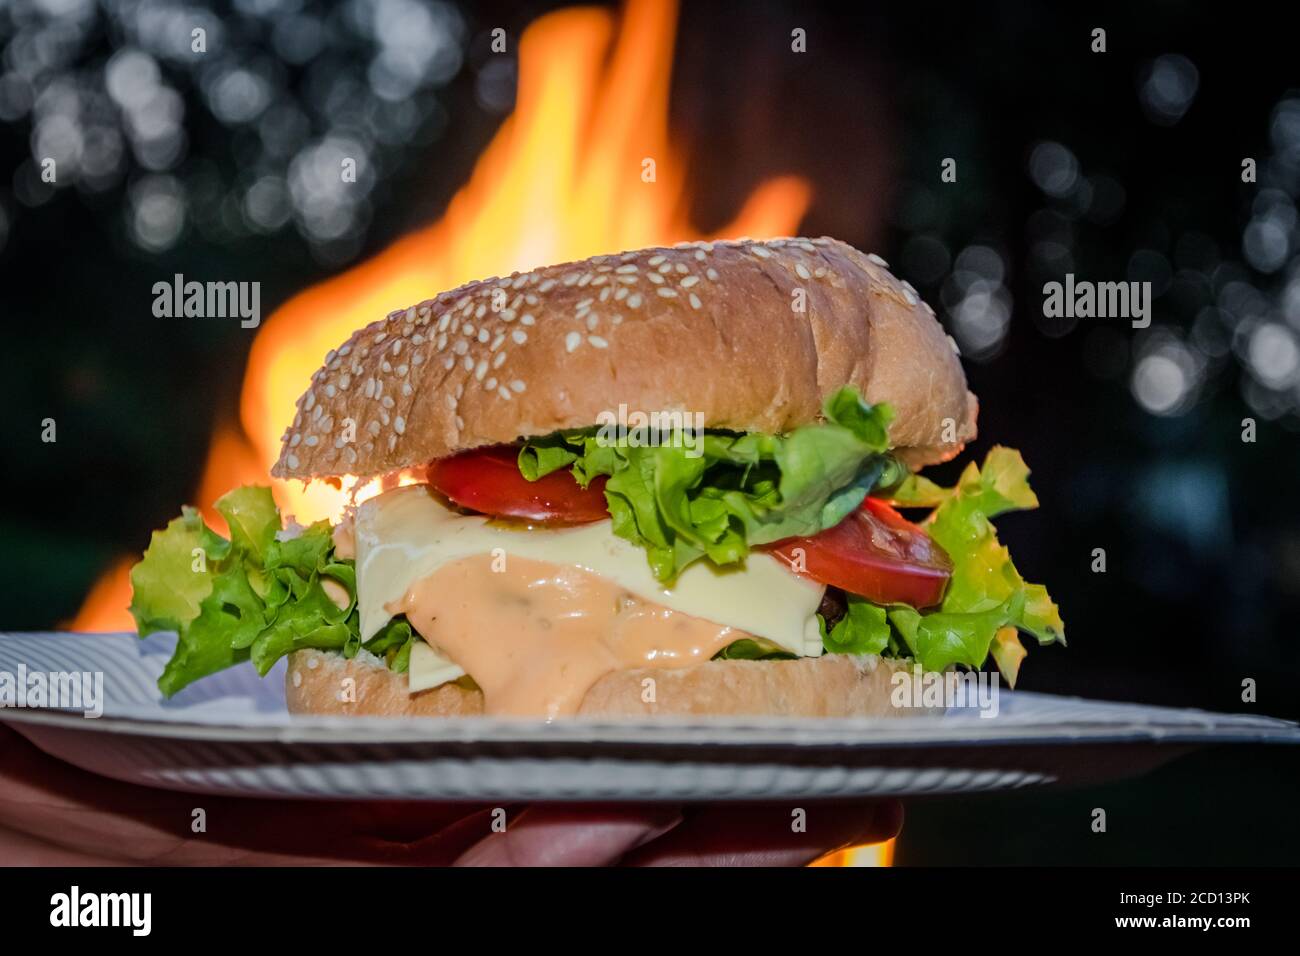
[(20, 849), (68, 807), (769, 834), (573, 835)]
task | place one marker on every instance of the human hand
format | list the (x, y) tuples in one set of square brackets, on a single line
[(55, 814)]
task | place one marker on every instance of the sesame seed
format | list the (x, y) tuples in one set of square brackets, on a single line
[(308, 401), (483, 335), (656, 278), (597, 342), (572, 341), (330, 391), (711, 274), (655, 260), (872, 257), (504, 392), (496, 343), (689, 281), (344, 381), (572, 277), (627, 280), (526, 319), (406, 389), (399, 425), (634, 300), (626, 270), (586, 278), (695, 301), (469, 363), (802, 271), (666, 267), (761, 252), (387, 401), (442, 322), (620, 294), (499, 360), (450, 361), (292, 460), (293, 442), (517, 386), (699, 255), (312, 441), (461, 347), (547, 286), (380, 337), (592, 321), (519, 336), (667, 293), (584, 304), (490, 385)]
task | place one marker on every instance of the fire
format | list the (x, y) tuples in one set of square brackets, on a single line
[(868, 854), (583, 166)]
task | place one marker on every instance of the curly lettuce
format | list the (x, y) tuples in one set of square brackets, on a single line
[(987, 603), (256, 596), (715, 498)]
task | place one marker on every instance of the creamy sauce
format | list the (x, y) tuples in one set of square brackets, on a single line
[(345, 541), (535, 636)]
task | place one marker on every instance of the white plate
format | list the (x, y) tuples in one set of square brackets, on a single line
[(231, 734)]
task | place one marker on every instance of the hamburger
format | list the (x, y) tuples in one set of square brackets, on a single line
[(669, 481)]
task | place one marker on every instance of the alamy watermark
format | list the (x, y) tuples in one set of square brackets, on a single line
[(975, 689), (1098, 300), (637, 429), (60, 690), (208, 300)]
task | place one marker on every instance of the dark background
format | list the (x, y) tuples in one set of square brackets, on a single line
[(1117, 165)]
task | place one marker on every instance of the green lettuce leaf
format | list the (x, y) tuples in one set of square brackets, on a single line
[(253, 597), (864, 629), (753, 649), (986, 593), (719, 497)]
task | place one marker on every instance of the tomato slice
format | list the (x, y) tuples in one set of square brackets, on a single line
[(875, 553), (488, 480)]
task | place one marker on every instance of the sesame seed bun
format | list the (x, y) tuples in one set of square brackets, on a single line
[(835, 685), (754, 335)]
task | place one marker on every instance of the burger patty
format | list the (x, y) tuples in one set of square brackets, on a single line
[(833, 607)]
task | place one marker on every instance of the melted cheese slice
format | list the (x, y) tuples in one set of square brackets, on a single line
[(406, 535)]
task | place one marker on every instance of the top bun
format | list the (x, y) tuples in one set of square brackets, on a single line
[(755, 335)]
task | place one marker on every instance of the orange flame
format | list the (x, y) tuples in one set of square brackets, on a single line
[(583, 166)]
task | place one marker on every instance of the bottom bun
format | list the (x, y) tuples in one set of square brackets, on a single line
[(835, 685)]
